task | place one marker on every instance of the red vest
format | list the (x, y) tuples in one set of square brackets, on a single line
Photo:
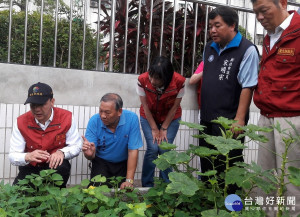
[(278, 90), (52, 139), (160, 105)]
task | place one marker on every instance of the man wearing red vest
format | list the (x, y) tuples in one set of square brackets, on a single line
[(277, 94), (45, 137)]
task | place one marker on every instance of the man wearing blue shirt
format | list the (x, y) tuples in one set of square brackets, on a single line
[(229, 75), (112, 140)]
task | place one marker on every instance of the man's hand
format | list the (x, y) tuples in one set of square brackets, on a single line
[(56, 159), (88, 149), (38, 156), (126, 185), (239, 123)]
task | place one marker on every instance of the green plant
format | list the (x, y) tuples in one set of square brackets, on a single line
[(185, 189), (120, 24), (33, 41), (40, 195), (184, 196)]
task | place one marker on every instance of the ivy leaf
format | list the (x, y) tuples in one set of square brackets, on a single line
[(181, 183), (224, 145), (294, 176), (215, 212), (167, 146), (193, 125)]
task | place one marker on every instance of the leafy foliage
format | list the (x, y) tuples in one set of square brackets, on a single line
[(33, 41), (120, 25), (184, 196)]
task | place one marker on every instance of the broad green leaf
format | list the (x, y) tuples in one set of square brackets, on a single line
[(224, 145), (174, 157), (2, 213), (254, 136), (101, 197), (167, 146), (255, 128), (263, 184), (92, 206), (98, 178), (179, 213), (85, 182), (294, 176), (23, 182), (161, 163), (58, 183), (215, 212), (193, 125), (239, 176), (181, 183), (208, 173), (56, 177), (138, 208), (224, 122), (91, 215), (205, 152), (37, 181), (103, 188), (45, 173)]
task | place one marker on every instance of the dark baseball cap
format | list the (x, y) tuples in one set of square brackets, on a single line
[(39, 93)]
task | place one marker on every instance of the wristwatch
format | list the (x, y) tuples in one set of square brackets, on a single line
[(163, 128), (130, 181)]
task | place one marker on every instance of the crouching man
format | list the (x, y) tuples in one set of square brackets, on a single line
[(45, 137), (112, 140)]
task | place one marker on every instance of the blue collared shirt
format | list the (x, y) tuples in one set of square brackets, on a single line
[(113, 147)]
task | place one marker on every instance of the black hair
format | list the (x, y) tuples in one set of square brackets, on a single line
[(276, 2), (113, 97), (162, 68), (228, 14)]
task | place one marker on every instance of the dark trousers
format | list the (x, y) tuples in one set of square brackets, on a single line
[(64, 170), (206, 165), (108, 169)]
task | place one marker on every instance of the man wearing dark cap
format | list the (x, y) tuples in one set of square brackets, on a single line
[(45, 137)]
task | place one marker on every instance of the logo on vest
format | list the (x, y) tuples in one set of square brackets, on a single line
[(211, 58), (286, 51)]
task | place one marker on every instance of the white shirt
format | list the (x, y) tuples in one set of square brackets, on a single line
[(18, 143), (279, 29)]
